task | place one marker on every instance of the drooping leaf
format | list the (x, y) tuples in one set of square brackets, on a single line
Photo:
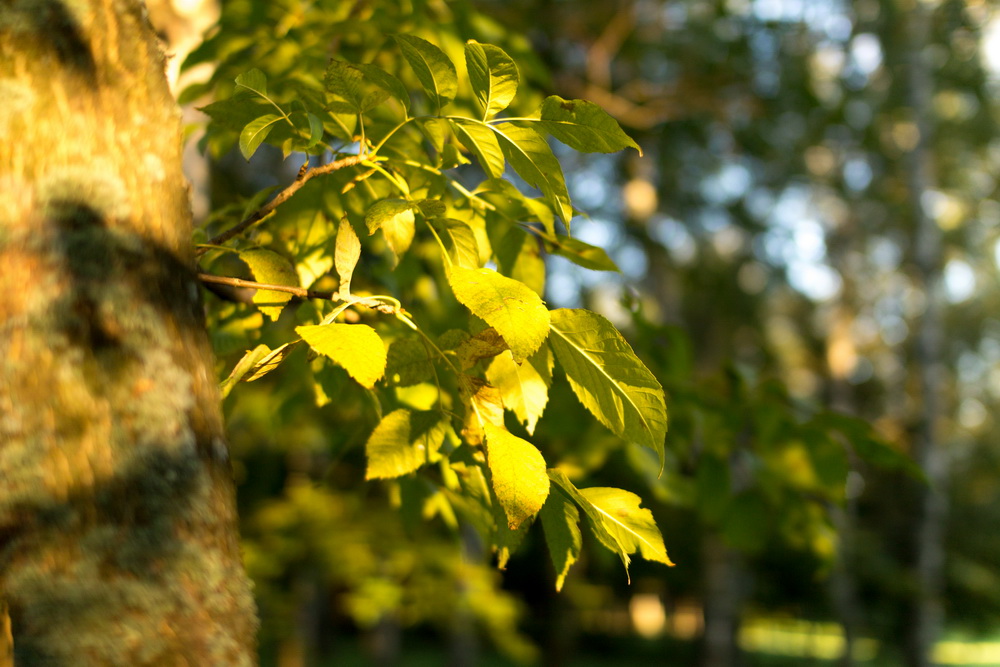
[(583, 254), (525, 386), (584, 126), (243, 367), (607, 377), (483, 404), (403, 442), (269, 362), (480, 140), (617, 520), (459, 240), (409, 362), (395, 217), (510, 307), (355, 347), (434, 70), (561, 525), (255, 132), (347, 254), (493, 76), (517, 470), (270, 268), (533, 161)]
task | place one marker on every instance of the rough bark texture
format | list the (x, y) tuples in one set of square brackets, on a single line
[(118, 541)]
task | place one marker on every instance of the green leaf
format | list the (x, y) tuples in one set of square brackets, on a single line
[(533, 161), (403, 442), (518, 474), (493, 76), (510, 307), (255, 132), (271, 268), (607, 377), (583, 254), (433, 68), (347, 254), (355, 347), (409, 362), (617, 520), (584, 126), (431, 208), (315, 129), (525, 386), (561, 525), (459, 240), (396, 220), (480, 140), (253, 81)]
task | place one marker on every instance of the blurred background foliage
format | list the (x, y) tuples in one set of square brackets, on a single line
[(808, 253)]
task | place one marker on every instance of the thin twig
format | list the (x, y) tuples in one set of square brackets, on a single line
[(283, 196), (302, 292)]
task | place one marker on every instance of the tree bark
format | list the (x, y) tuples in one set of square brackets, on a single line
[(118, 542)]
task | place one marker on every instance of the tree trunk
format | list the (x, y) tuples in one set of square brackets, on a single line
[(927, 614), (724, 595), (118, 542)]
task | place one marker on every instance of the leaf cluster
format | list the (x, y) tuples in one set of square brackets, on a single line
[(461, 379)]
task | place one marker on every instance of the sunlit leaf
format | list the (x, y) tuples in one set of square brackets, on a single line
[(355, 347), (493, 76), (617, 520), (255, 132), (480, 140), (533, 161), (270, 268), (525, 386), (433, 68), (348, 252), (403, 442), (607, 377), (510, 307), (517, 470), (561, 525), (584, 126)]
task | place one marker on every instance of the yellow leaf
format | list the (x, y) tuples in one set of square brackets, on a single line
[(517, 469), (355, 347)]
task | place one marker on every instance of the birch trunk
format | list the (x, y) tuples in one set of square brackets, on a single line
[(118, 542)]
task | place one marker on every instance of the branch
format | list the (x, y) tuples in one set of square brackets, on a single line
[(283, 196), (302, 292)]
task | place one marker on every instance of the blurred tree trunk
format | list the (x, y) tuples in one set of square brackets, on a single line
[(724, 592), (927, 613), (118, 541)]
